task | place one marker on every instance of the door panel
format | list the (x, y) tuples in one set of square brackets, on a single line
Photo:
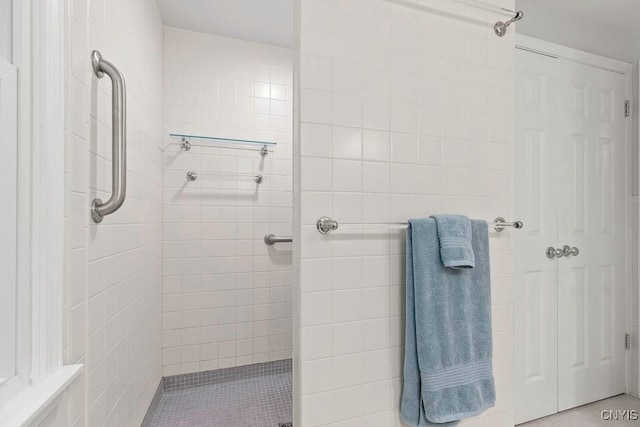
[(570, 180), (591, 217), (535, 293)]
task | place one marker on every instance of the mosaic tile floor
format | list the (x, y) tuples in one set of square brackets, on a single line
[(259, 401)]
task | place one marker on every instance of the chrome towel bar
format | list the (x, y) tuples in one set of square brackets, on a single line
[(100, 209), (192, 176), (326, 225), (272, 239)]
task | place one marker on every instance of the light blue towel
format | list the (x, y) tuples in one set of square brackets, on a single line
[(454, 233), (448, 371)]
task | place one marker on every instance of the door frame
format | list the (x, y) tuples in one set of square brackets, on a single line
[(542, 47), (39, 55)]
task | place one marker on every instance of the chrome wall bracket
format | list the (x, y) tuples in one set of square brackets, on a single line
[(264, 151), (272, 239), (96, 57), (499, 227), (326, 225), (500, 28)]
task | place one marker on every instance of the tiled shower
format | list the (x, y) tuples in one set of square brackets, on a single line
[(226, 306), (226, 294)]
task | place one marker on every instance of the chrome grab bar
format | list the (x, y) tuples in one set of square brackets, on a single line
[(272, 239), (100, 209)]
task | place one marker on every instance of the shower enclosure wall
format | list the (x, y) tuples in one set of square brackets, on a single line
[(226, 294), (405, 110), (113, 271)]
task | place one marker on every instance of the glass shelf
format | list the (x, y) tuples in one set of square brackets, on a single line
[(265, 147)]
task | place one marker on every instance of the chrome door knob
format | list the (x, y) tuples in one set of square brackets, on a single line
[(568, 250), (554, 253)]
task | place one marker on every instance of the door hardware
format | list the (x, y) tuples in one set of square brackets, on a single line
[(554, 253), (568, 250)]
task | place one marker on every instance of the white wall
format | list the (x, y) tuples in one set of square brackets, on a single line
[(227, 295), (6, 29), (405, 112), (113, 270), (549, 26), (635, 52)]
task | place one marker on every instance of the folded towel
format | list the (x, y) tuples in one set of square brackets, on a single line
[(454, 233), (448, 347)]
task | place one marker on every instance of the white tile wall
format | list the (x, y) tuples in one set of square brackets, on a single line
[(113, 271), (405, 110), (226, 295)]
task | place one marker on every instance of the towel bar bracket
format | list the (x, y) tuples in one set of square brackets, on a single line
[(500, 223), (326, 224), (272, 239)]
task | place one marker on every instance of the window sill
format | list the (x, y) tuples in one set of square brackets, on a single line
[(31, 402)]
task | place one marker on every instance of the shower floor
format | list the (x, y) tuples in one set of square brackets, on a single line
[(258, 401)]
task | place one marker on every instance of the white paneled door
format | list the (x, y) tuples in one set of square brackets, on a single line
[(591, 217), (570, 258), (536, 277)]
